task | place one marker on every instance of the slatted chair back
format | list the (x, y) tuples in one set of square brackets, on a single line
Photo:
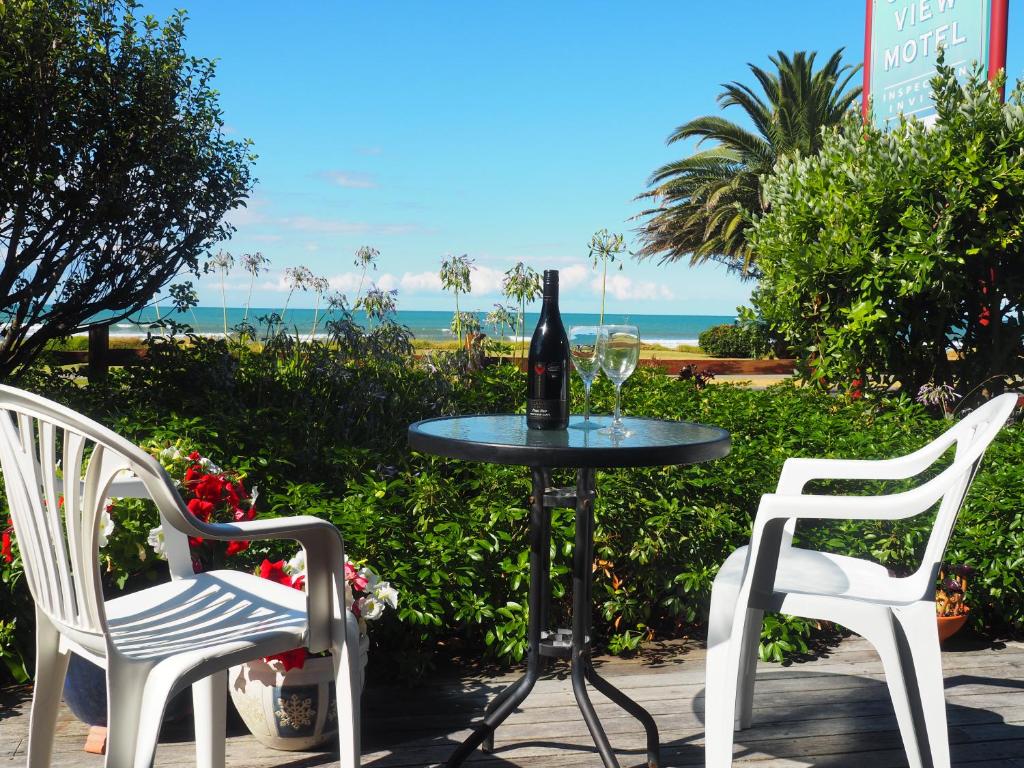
[(58, 468)]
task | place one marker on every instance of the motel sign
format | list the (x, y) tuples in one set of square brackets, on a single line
[(903, 38)]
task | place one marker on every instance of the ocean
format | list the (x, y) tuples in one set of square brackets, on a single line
[(669, 330)]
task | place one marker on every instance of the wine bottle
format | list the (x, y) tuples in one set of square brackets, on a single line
[(547, 373)]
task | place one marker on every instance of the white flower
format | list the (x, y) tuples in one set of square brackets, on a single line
[(254, 493), (386, 594), (371, 578), (297, 565), (156, 541), (106, 524), (169, 454), (209, 466), (370, 608)]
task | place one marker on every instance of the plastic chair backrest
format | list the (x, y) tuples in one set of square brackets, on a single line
[(58, 467), (972, 436)]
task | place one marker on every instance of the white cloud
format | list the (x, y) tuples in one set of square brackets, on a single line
[(420, 282), (624, 288), (349, 180), (346, 282), (573, 276)]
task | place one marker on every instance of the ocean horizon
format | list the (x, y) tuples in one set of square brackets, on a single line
[(425, 325)]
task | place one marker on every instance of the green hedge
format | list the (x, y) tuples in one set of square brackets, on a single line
[(324, 436)]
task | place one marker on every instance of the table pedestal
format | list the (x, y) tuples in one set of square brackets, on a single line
[(573, 644)]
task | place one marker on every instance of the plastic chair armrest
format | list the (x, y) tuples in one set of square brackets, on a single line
[(797, 472)]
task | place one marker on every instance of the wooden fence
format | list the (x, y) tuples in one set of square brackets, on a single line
[(100, 357)]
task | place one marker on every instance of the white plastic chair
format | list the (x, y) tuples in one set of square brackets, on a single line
[(896, 615), (155, 642)]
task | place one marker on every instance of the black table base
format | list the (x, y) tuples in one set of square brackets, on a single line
[(561, 643)]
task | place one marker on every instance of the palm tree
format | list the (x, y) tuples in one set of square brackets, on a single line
[(703, 203)]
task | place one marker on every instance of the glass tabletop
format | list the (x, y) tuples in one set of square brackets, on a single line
[(505, 439)]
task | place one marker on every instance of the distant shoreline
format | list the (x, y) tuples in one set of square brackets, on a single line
[(429, 325)]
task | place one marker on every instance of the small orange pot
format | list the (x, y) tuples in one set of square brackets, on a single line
[(950, 625)]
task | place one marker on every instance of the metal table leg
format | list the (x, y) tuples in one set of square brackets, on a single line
[(510, 698), (560, 643)]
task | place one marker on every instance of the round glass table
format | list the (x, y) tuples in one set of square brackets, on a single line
[(505, 439)]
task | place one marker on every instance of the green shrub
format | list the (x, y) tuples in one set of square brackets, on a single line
[(322, 432), (728, 340), (889, 249)]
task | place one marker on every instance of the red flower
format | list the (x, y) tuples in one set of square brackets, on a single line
[(5, 542), (192, 475), (275, 572), (201, 509), (209, 488), (234, 547), (194, 541), (194, 456), (293, 659), (236, 493), (299, 582)]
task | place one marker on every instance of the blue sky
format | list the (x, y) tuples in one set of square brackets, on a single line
[(508, 131)]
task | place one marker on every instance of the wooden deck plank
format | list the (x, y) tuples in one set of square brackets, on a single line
[(832, 712)]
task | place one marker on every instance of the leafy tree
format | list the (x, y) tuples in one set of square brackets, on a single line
[(898, 256), (703, 203), (115, 173)]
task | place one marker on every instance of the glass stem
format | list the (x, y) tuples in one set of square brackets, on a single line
[(586, 402), (617, 421)]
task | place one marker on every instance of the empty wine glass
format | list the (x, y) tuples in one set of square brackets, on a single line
[(618, 349), (583, 348)]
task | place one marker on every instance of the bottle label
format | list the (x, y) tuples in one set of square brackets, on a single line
[(543, 409)]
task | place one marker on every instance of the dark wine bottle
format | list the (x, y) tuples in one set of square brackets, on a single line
[(547, 373)]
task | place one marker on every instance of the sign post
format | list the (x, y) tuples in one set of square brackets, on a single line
[(902, 38)]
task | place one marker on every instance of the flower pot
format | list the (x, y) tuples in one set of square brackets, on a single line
[(291, 710), (950, 625), (85, 693)]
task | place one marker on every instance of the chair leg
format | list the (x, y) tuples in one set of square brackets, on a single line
[(209, 702), (885, 637), (126, 684), (51, 667), (749, 654), (722, 676), (348, 689), (923, 660)]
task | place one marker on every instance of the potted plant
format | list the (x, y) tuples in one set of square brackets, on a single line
[(288, 700), (951, 610)]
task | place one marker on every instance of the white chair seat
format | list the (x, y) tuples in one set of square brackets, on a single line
[(805, 571), (229, 611)]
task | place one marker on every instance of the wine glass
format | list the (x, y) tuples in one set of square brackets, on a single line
[(583, 348), (618, 349)]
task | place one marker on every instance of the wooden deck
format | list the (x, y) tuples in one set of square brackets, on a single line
[(830, 712)]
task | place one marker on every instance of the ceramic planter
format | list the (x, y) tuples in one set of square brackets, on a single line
[(85, 693), (291, 710), (950, 625)]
